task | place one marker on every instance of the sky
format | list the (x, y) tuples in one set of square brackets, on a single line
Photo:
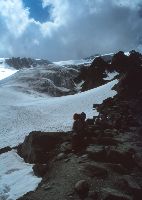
[(69, 29)]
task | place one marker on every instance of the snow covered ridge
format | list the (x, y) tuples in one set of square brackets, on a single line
[(16, 176), (84, 61)]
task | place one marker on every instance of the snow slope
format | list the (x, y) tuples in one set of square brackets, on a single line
[(110, 75), (21, 113), (73, 62), (16, 177), (5, 70)]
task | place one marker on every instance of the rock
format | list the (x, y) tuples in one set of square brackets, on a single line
[(67, 160), (138, 160), (120, 157), (131, 185), (83, 158), (82, 188), (93, 195), (90, 121), (108, 133), (112, 194), (39, 147), (46, 187), (118, 168), (97, 133), (5, 149), (108, 141), (40, 169), (94, 170), (133, 129), (61, 156), (96, 152), (66, 147)]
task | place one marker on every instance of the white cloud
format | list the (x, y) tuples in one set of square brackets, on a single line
[(77, 29), (14, 15)]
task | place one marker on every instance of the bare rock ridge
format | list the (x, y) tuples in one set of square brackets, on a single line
[(93, 75), (109, 164), (19, 63)]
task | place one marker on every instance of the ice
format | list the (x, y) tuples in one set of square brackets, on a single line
[(16, 177)]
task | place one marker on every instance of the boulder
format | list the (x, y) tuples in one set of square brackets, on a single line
[(61, 156), (96, 152), (38, 147), (82, 188), (66, 147), (94, 170)]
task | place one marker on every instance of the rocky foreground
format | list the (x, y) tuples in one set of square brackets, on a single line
[(107, 167)]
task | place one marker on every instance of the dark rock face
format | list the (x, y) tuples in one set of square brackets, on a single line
[(38, 146), (5, 149), (40, 169), (94, 75)]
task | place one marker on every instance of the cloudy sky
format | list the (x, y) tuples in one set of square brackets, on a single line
[(69, 29)]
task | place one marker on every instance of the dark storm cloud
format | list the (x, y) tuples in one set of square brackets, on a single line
[(79, 29)]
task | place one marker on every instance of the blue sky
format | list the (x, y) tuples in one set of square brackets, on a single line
[(69, 29), (37, 11)]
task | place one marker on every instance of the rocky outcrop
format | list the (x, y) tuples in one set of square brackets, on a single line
[(5, 149), (40, 147), (93, 76)]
